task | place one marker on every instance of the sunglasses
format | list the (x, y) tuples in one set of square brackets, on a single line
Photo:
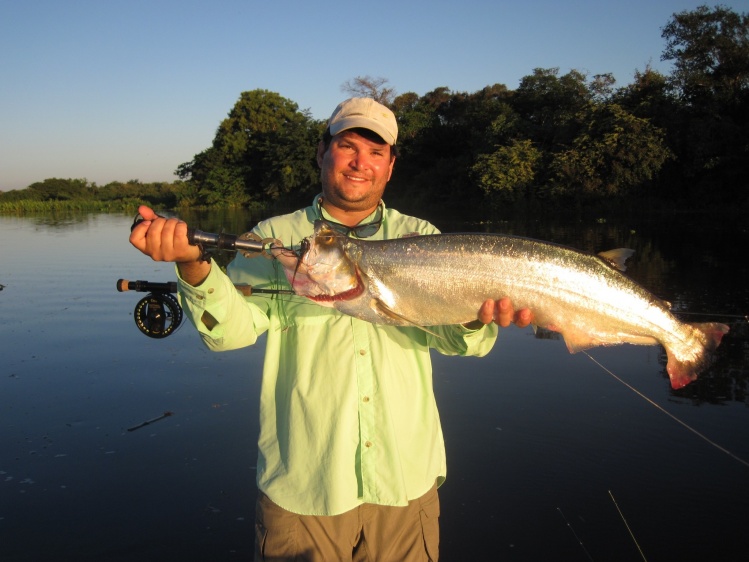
[(360, 230)]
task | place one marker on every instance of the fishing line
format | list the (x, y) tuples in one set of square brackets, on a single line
[(631, 534), (673, 417), (569, 525)]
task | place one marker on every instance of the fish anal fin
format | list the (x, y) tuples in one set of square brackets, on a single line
[(617, 258), (578, 341), (383, 309)]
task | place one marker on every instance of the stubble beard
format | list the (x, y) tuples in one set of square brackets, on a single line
[(352, 199)]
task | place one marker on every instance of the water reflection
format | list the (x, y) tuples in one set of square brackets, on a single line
[(62, 219)]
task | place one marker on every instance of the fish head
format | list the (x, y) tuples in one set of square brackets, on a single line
[(325, 261)]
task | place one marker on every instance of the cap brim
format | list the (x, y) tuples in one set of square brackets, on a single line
[(363, 123)]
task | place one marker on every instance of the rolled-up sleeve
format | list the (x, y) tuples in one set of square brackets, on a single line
[(223, 317), (459, 340)]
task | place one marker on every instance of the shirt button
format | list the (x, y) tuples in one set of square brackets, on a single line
[(368, 444), (210, 291), (365, 399), (362, 352)]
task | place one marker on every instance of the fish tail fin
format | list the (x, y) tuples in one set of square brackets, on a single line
[(713, 333), (683, 371)]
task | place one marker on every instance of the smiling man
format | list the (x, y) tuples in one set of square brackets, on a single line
[(350, 452)]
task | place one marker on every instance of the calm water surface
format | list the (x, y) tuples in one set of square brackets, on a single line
[(548, 453)]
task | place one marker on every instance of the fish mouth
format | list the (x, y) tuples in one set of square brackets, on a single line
[(345, 295)]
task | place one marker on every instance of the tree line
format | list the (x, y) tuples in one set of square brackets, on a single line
[(558, 139)]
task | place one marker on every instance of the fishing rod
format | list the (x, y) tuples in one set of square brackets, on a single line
[(159, 313), (248, 244)]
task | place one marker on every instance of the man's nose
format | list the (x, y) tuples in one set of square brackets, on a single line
[(358, 161)]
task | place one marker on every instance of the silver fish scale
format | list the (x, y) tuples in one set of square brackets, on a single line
[(444, 279)]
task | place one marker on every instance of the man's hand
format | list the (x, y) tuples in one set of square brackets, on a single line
[(163, 239), (166, 240), (503, 314)]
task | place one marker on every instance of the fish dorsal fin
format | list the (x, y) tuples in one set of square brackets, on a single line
[(617, 257), (383, 309)]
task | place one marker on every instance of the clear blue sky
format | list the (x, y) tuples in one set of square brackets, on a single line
[(118, 90)]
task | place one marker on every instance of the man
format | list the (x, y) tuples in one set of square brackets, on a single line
[(350, 448)]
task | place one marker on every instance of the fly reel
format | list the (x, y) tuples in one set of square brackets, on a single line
[(158, 314)]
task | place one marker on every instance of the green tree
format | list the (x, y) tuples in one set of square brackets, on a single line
[(613, 153), (649, 96), (412, 114), (505, 174), (265, 148), (445, 132), (710, 52), (224, 186), (61, 189), (186, 194), (548, 104)]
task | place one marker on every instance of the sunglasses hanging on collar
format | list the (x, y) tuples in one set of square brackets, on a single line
[(360, 230)]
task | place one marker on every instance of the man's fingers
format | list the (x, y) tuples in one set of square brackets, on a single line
[(523, 318), (486, 312), (147, 213), (504, 313), (162, 239)]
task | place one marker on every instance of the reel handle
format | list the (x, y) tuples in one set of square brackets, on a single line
[(124, 285)]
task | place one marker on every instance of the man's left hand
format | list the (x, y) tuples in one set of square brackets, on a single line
[(502, 313)]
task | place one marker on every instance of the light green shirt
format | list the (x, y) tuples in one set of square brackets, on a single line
[(347, 409)]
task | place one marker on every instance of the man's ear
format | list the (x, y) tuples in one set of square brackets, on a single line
[(320, 153), (392, 165)]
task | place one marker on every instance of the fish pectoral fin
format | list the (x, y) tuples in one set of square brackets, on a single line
[(383, 309)]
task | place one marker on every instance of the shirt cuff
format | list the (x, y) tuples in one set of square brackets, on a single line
[(211, 296)]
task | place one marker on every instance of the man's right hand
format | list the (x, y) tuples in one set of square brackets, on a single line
[(166, 240)]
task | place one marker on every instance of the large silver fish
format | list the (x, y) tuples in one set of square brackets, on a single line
[(444, 278)]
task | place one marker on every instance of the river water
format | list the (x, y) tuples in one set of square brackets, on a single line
[(551, 456)]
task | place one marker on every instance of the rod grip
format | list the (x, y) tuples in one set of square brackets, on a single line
[(124, 285)]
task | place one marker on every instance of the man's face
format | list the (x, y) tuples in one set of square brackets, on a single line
[(354, 171)]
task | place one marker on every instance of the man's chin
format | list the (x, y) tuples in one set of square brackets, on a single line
[(357, 196)]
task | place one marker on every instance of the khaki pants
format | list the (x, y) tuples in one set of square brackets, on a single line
[(368, 533)]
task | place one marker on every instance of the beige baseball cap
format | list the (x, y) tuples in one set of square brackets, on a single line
[(367, 114)]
